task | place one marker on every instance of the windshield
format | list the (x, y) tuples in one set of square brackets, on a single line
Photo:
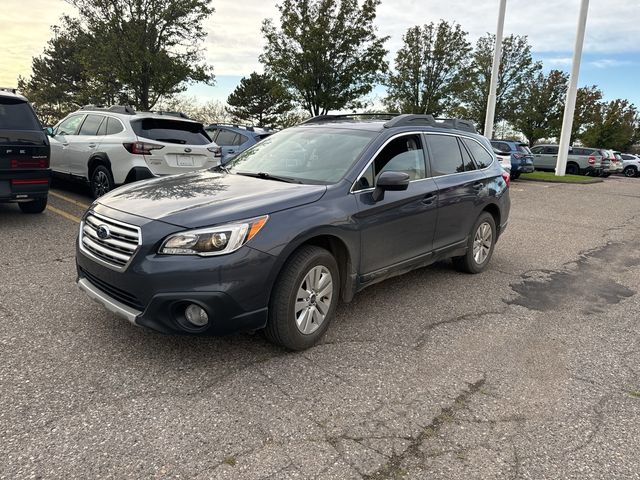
[(307, 155)]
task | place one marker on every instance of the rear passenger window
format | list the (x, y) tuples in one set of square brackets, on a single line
[(91, 124), (445, 155), (480, 155), (240, 139), (226, 138), (113, 126), (469, 165)]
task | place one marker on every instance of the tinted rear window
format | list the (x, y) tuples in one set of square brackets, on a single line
[(171, 131), (524, 149), (17, 115)]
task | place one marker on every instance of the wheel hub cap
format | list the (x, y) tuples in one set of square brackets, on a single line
[(313, 299), (482, 242)]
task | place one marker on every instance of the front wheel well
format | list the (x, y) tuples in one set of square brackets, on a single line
[(341, 253)]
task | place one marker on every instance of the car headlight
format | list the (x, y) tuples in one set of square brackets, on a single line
[(218, 240)]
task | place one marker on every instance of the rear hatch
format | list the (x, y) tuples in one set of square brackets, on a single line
[(24, 150), (524, 156), (171, 146)]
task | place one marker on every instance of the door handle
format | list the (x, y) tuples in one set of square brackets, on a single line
[(66, 144), (92, 145), (478, 185), (429, 198)]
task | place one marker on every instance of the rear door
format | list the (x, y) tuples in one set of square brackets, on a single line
[(84, 145), (176, 146), (461, 187), (228, 140)]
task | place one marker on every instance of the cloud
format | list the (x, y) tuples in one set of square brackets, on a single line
[(610, 63)]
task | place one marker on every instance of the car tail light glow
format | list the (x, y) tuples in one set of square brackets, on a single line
[(518, 156), (142, 148), (30, 163), (217, 151), (592, 160), (507, 178), (36, 181)]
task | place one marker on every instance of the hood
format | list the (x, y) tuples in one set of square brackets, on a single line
[(199, 199)]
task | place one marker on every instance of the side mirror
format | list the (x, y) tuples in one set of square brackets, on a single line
[(391, 182), (49, 131)]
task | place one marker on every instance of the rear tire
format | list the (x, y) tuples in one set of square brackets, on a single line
[(606, 175), (304, 299), (101, 181), (573, 169), (515, 176), (35, 206), (482, 241), (630, 171)]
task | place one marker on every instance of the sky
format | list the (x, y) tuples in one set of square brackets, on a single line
[(611, 53)]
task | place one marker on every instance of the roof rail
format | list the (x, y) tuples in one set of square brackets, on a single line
[(9, 89), (124, 109), (249, 128), (169, 113), (407, 120), (348, 116)]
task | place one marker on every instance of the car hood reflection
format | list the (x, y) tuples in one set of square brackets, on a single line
[(205, 198)]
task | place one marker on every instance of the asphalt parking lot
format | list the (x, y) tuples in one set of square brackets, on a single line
[(530, 370)]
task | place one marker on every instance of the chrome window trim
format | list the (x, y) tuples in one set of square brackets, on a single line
[(98, 259), (431, 177)]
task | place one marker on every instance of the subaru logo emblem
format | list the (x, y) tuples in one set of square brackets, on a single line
[(103, 232), (187, 150)]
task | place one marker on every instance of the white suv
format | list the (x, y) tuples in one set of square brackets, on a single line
[(111, 146)]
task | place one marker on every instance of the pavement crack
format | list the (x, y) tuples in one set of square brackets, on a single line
[(424, 336), (392, 469)]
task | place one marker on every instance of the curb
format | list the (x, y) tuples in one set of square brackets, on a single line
[(586, 182)]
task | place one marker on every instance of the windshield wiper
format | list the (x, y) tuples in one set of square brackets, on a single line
[(268, 176), (221, 167)]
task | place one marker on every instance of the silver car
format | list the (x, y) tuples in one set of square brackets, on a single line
[(581, 160)]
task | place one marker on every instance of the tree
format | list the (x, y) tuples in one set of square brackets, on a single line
[(516, 68), (588, 108), (429, 69), (213, 111), (615, 126), (539, 112), (326, 52), (259, 99)]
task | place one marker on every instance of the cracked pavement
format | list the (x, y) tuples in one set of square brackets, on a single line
[(530, 370)]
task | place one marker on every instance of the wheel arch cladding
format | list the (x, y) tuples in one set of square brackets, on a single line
[(96, 160), (494, 210)]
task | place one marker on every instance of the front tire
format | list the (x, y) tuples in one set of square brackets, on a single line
[(304, 299), (35, 206), (480, 245), (101, 181), (573, 169)]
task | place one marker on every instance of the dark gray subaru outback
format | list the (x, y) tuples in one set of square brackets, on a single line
[(307, 217)]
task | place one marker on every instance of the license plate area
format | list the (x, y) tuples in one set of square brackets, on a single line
[(185, 161)]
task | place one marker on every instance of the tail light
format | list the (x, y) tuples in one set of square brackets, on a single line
[(507, 178), (142, 148), (518, 156), (217, 151), (37, 181), (30, 163), (592, 160)]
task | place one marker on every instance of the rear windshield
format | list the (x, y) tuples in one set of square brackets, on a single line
[(524, 149), (171, 131), (16, 114)]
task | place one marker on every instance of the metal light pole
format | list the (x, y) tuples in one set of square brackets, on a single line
[(570, 105), (495, 70)]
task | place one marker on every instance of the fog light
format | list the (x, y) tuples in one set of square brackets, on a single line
[(196, 315)]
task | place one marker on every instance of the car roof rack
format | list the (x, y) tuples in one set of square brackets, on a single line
[(249, 128), (407, 120), (9, 89), (124, 109), (349, 116), (169, 113)]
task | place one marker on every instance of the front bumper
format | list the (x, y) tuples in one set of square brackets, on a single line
[(154, 290)]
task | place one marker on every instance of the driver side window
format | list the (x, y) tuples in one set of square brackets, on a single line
[(402, 154), (70, 125)]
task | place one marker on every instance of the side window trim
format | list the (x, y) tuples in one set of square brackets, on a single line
[(459, 138), (379, 151)]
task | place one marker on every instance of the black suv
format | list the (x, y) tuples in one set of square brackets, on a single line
[(24, 154), (306, 217)]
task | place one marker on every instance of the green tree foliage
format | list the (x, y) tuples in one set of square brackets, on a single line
[(516, 68), (130, 51), (326, 52), (615, 126), (538, 114), (429, 69), (259, 99), (588, 109)]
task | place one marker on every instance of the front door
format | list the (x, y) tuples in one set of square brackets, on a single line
[(82, 147), (63, 137), (398, 228)]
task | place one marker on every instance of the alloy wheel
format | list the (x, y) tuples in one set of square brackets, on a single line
[(482, 243), (313, 299), (100, 183)]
